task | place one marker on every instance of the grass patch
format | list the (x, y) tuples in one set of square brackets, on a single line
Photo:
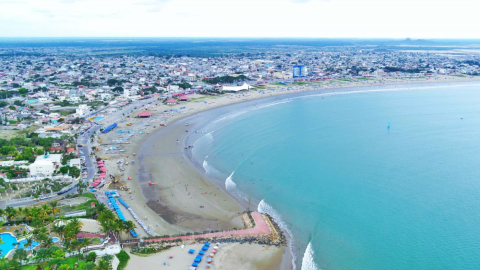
[(123, 257), (88, 195)]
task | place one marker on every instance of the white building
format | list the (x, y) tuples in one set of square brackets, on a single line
[(76, 162), (82, 110), (42, 167)]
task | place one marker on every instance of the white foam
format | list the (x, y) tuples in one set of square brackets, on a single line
[(265, 208), (308, 262), (229, 184), (208, 168)]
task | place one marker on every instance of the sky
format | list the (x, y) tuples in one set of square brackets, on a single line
[(240, 18)]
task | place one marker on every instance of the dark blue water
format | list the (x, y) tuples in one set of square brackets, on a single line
[(360, 195)]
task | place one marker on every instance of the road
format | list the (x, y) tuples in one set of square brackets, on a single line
[(84, 140)]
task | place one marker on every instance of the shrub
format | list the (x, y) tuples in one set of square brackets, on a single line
[(123, 257)]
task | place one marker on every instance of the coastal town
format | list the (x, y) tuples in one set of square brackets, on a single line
[(94, 156)]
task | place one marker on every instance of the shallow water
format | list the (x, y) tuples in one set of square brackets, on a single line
[(354, 193)]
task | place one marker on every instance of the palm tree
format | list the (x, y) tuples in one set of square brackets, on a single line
[(101, 207), (11, 212), (103, 265), (55, 209), (59, 230), (29, 243), (85, 243), (129, 225)]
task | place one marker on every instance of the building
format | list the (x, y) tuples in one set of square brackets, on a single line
[(234, 89), (82, 110), (299, 71), (42, 167)]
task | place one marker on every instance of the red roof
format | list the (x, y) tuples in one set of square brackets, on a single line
[(184, 98), (144, 114), (172, 100), (70, 150)]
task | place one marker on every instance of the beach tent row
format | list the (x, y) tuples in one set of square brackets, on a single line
[(110, 128), (139, 221), (111, 199), (131, 212), (200, 255)]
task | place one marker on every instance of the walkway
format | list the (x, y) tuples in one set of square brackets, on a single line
[(261, 227)]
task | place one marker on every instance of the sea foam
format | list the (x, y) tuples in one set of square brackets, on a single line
[(265, 208), (308, 262)]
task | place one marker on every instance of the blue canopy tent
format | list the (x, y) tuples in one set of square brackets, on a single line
[(191, 251)]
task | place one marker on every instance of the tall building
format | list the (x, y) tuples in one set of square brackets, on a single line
[(299, 71)]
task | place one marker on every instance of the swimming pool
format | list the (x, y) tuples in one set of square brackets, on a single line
[(55, 239), (98, 118), (9, 240)]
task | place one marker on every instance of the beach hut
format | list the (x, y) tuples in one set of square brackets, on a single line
[(144, 115), (172, 101)]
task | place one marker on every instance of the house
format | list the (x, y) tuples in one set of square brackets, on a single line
[(57, 143)]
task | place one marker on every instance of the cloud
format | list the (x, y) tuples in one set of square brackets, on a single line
[(151, 2), (307, 1)]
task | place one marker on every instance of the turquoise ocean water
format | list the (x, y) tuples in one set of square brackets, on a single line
[(353, 193)]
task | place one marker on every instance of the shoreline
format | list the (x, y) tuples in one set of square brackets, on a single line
[(210, 114)]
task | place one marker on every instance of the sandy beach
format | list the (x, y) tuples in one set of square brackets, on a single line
[(172, 204), (229, 256)]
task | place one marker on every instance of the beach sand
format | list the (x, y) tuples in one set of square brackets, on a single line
[(229, 256), (172, 205)]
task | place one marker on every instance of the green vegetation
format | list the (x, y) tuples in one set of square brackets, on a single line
[(395, 69), (226, 79), (123, 257)]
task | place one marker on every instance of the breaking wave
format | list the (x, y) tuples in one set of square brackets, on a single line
[(308, 262), (229, 184), (208, 168), (265, 208)]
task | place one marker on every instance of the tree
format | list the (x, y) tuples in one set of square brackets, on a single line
[(91, 257), (64, 267), (103, 264), (3, 104), (11, 107), (64, 169), (89, 266), (20, 254), (74, 172)]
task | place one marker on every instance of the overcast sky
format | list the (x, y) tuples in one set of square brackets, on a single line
[(240, 18)]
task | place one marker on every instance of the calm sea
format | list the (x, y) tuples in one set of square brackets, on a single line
[(354, 193)]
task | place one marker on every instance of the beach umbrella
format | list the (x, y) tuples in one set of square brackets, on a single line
[(215, 247), (211, 254), (171, 256), (165, 262)]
